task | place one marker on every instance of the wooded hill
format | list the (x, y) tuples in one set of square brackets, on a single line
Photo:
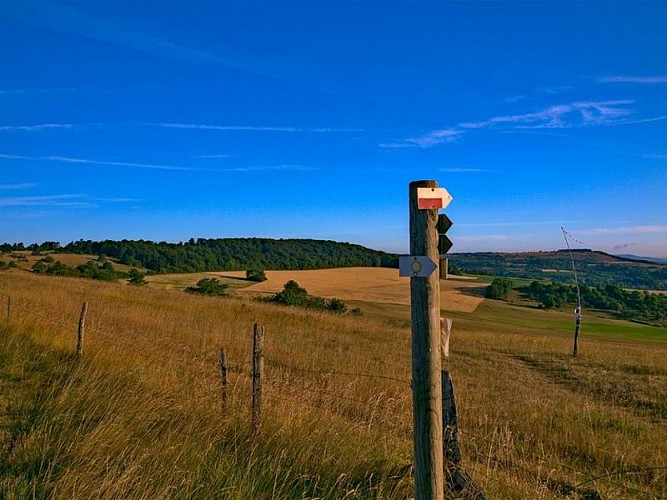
[(235, 254), (593, 268), (232, 254)]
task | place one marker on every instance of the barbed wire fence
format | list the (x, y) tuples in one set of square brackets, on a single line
[(454, 473)]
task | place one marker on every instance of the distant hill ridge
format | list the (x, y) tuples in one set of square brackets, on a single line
[(593, 267)]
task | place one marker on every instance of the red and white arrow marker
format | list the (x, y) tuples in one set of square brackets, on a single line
[(432, 198)]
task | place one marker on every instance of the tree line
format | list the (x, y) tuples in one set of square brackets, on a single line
[(224, 254), (625, 304)]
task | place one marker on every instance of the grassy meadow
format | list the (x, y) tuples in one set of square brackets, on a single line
[(139, 415)]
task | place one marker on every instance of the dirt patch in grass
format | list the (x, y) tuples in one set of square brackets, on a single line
[(641, 389)]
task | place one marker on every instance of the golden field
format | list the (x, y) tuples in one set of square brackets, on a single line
[(139, 415), (370, 284)]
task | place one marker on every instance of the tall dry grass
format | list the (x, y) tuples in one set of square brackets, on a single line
[(139, 416)]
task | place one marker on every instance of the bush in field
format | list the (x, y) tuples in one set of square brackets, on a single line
[(499, 289), (136, 278), (294, 295), (209, 286), (90, 269), (255, 275), (337, 306)]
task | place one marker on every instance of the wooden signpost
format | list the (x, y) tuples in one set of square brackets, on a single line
[(425, 198)]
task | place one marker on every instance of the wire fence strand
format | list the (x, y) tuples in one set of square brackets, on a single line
[(332, 372)]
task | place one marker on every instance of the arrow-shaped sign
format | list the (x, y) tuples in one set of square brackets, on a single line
[(432, 198), (444, 244), (443, 224), (410, 266)]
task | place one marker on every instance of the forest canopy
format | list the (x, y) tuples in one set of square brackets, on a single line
[(225, 254)]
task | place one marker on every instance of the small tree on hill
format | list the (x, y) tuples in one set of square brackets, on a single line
[(292, 294), (499, 289), (136, 278), (255, 275), (209, 286)]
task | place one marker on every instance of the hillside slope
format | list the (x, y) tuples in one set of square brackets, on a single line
[(593, 268), (139, 415)]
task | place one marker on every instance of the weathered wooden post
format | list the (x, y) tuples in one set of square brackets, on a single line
[(257, 375), (223, 376), (444, 267), (457, 479), (577, 322), (450, 429), (80, 332), (425, 200)]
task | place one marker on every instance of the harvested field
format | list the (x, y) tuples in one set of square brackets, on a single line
[(369, 284)]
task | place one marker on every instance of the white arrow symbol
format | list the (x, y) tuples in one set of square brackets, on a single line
[(411, 266)]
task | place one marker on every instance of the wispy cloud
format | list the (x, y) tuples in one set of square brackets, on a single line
[(634, 79), (623, 246), (250, 128), (547, 89), (559, 116), (59, 200), (212, 156), (22, 185), (642, 120), (482, 238), (35, 128), (582, 113), (71, 20), (277, 168), (116, 200), (515, 98), (30, 91), (86, 161), (518, 223), (427, 140), (655, 156), (463, 170), (649, 229)]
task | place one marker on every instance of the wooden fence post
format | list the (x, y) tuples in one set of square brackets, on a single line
[(577, 322), (450, 429), (426, 381), (257, 375), (457, 479), (80, 332), (223, 374)]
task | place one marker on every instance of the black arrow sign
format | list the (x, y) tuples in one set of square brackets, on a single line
[(443, 223), (444, 244)]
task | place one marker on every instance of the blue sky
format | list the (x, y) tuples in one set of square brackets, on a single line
[(171, 120)]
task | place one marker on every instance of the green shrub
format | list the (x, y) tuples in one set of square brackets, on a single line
[(294, 295), (209, 286), (499, 289), (255, 275), (136, 278)]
